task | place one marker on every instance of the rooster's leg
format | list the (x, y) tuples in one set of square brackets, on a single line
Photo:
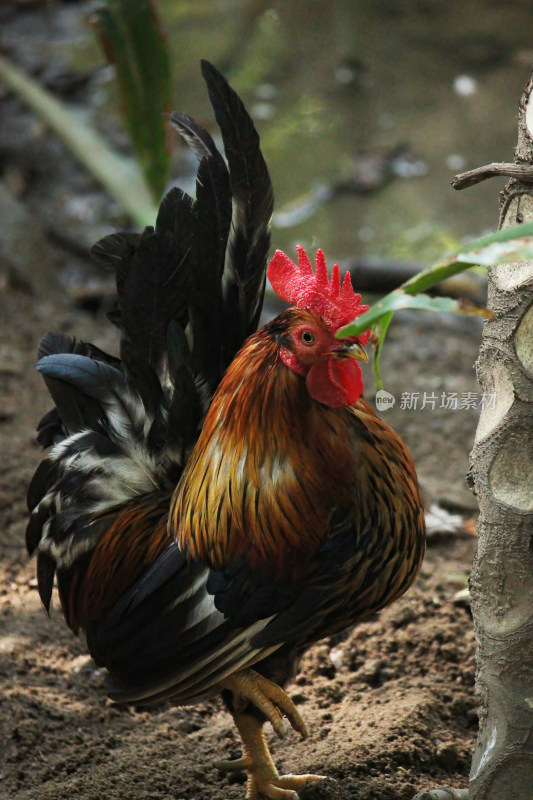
[(247, 686)]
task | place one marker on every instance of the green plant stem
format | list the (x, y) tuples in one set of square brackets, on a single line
[(383, 328)]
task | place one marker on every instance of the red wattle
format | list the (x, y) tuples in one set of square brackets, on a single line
[(335, 382)]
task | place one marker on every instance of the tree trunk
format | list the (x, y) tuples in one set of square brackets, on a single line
[(501, 582)]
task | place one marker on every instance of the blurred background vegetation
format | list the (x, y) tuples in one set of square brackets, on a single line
[(366, 111)]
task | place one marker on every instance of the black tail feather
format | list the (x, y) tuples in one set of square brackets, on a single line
[(253, 202), (46, 570), (77, 411), (51, 429), (186, 409), (116, 251), (156, 289), (189, 291), (198, 139), (53, 343), (212, 211), (34, 528), (142, 376), (213, 221), (44, 477), (94, 381)]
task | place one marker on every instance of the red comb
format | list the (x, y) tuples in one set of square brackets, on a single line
[(312, 291)]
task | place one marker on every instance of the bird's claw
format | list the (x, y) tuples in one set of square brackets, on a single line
[(248, 686), (234, 765), (285, 786), (264, 781), (271, 785)]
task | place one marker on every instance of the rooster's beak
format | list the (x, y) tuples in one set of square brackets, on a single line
[(356, 351)]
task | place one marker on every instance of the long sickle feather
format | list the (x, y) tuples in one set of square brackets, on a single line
[(253, 199)]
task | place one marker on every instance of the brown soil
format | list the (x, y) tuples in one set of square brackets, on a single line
[(390, 706)]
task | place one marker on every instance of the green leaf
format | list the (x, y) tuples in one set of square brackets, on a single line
[(134, 42), (492, 254), (119, 175), (513, 233), (509, 244), (497, 248), (398, 300)]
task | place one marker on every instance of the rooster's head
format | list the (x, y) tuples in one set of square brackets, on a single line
[(307, 345)]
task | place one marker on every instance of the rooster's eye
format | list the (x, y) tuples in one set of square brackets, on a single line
[(307, 337)]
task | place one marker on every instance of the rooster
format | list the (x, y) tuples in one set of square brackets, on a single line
[(219, 498)]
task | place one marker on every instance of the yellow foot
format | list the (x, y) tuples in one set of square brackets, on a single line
[(264, 781), (248, 686)]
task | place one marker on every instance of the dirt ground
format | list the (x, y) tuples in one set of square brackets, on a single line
[(390, 706)]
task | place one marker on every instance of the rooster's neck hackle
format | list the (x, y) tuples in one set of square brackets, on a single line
[(267, 465)]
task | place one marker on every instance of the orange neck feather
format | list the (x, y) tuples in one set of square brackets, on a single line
[(269, 465)]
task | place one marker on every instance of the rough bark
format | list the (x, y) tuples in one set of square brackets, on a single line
[(501, 582)]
